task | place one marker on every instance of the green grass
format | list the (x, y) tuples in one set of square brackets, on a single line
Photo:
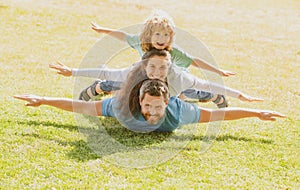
[(44, 148)]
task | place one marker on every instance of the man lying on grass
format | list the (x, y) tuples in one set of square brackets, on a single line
[(147, 107)]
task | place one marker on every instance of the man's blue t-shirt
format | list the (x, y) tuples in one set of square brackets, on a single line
[(177, 113)]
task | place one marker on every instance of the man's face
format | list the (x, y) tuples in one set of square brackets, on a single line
[(158, 67), (153, 108)]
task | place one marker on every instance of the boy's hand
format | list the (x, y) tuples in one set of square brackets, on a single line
[(96, 27), (32, 100), (224, 73), (121, 35), (61, 69)]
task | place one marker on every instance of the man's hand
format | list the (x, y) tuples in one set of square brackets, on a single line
[(61, 69), (270, 115), (32, 100)]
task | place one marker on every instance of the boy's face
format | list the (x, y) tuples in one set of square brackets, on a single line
[(153, 108), (158, 67), (161, 38)]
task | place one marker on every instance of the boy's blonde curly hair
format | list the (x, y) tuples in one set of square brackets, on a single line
[(158, 19)]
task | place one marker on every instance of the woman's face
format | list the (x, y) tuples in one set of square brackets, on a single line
[(161, 38), (158, 67)]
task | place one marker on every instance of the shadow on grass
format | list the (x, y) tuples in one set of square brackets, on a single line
[(81, 151), (69, 127), (101, 141), (227, 137), (105, 140), (230, 137), (235, 138), (3, 7)]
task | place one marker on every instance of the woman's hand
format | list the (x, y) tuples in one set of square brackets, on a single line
[(248, 98), (61, 69)]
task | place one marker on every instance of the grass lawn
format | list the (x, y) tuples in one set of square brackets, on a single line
[(45, 148)]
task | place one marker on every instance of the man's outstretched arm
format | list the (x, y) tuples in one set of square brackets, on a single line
[(78, 106), (208, 115)]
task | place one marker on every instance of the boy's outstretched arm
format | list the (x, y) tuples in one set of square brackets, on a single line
[(197, 62), (78, 106), (208, 115), (114, 33)]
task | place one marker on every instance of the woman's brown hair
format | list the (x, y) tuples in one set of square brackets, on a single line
[(128, 95)]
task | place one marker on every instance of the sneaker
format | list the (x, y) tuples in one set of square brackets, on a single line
[(222, 99)]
